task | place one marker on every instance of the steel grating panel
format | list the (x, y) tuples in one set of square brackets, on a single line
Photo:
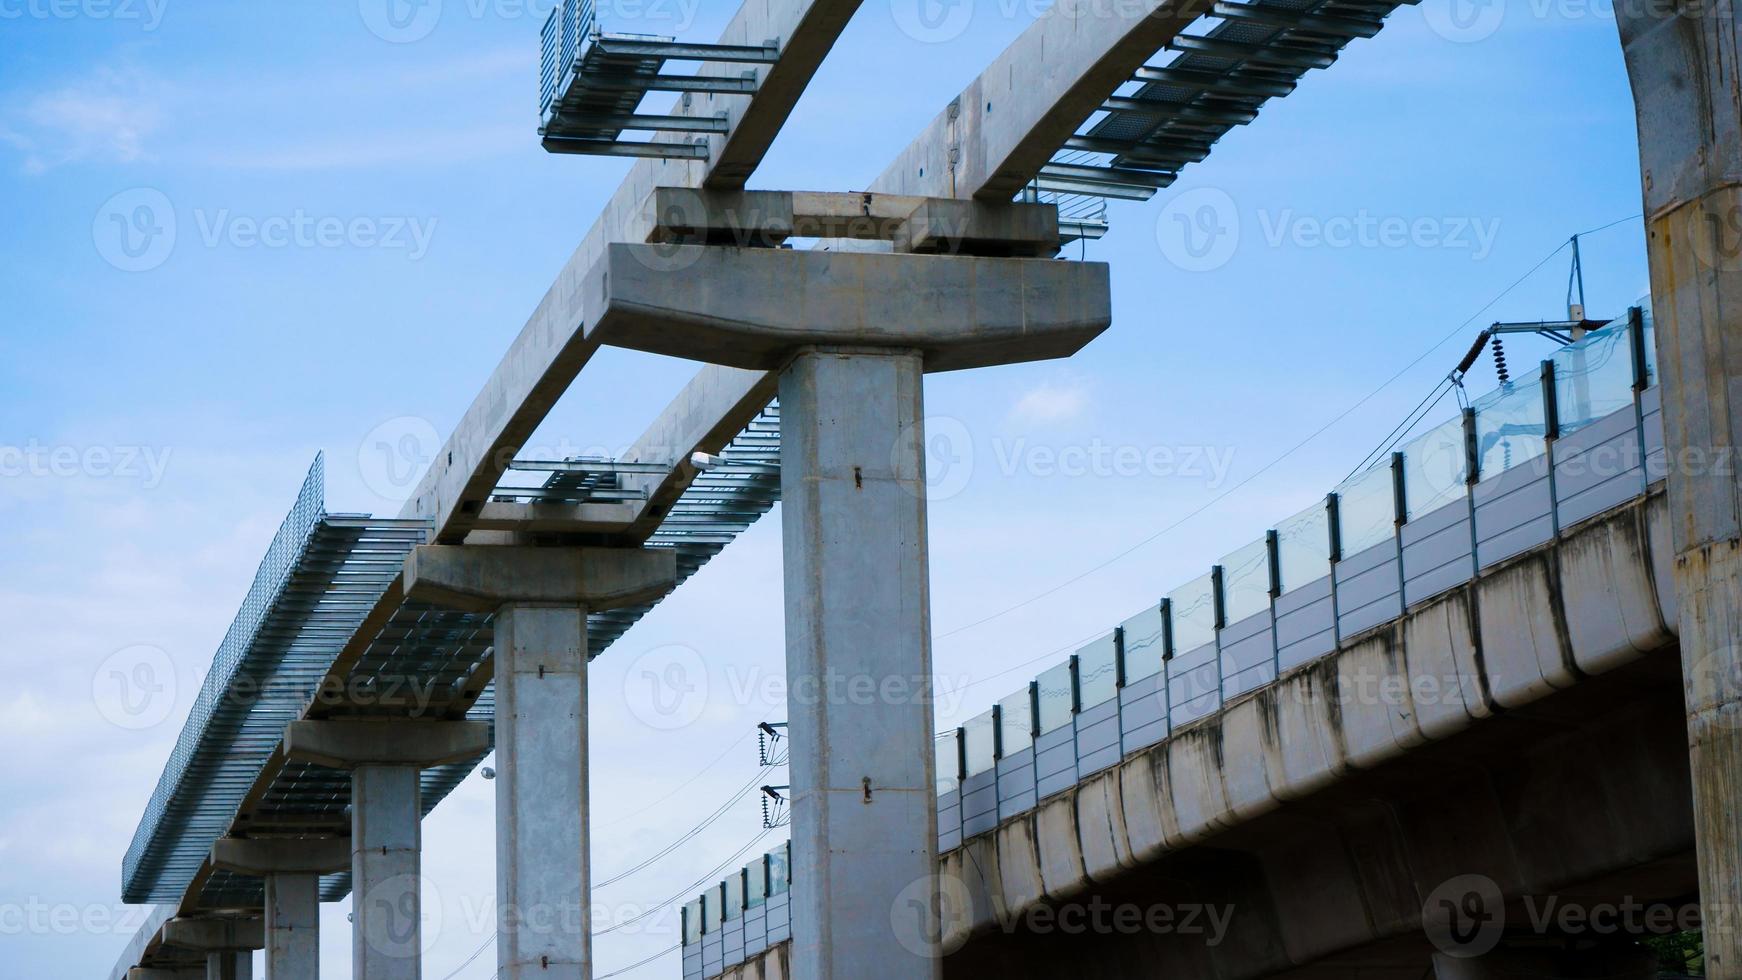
[(321, 575), (320, 578), (1172, 114)]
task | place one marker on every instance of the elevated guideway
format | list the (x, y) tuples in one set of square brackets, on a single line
[(367, 638)]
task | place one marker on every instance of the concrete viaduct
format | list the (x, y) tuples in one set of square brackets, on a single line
[(495, 597)]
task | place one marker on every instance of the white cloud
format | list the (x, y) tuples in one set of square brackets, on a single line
[(106, 117), (1051, 402)]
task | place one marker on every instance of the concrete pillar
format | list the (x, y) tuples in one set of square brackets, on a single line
[(858, 660), (540, 597), (542, 875), (386, 875), (229, 964), (1681, 62), (292, 869), (293, 926)]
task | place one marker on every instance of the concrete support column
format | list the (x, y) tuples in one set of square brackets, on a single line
[(1681, 62), (386, 874), (858, 660), (542, 861), (229, 964), (292, 869), (293, 926), (541, 597)]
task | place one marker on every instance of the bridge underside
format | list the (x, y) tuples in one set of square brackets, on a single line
[(1580, 801)]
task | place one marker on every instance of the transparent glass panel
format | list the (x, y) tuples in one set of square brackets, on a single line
[(1246, 582), (1016, 722), (980, 732), (1056, 703), (712, 903), (1097, 672), (756, 883), (780, 869), (1433, 469), (1594, 377), (949, 763), (1143, 638), (692, 923), (1366, 510), (1194, 614), (1509, 428), (1303, 547), (734, 892)]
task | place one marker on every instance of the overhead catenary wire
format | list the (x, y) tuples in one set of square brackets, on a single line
[(684, 891), (1275, 461), (743, 791)]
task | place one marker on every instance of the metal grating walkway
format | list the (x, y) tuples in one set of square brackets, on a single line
[(320, 580)]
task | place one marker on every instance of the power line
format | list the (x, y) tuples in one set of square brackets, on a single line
[(1321, 430), (684, 891), (744, 790), (639, 963)]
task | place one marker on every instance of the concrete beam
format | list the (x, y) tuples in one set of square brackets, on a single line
[(751, 307), (993, 138), (166, 973), (347, 743), (214, 933), (712, 409), (551, 349), (482, 578), (268, 856), (682, 215)]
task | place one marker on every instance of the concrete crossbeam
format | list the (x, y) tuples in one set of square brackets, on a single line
[(347, 743), (484, 577), (214, 933), (166, 973), (682, 215), (267, 856), (751, 307)]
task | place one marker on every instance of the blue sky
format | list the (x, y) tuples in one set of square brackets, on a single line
[(192, 395)]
